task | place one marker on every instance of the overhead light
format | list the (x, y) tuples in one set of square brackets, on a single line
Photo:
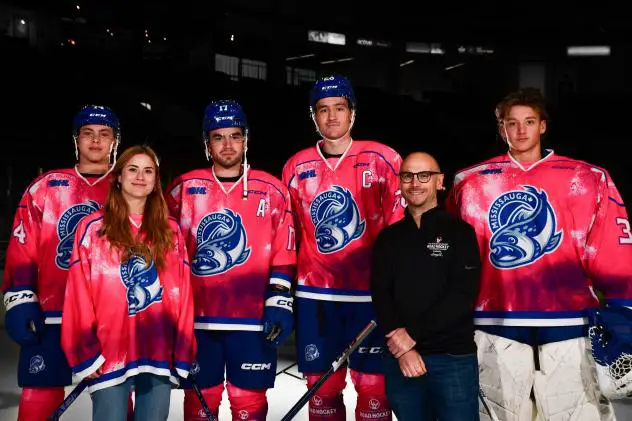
[(146, 105), (341, 60), (454, 66), (436, 49), (107, 30), (71, 41), (78, 8), (22, 22), (300, 57), (232, 37), (165, 38), (594, 50), (406, 63)]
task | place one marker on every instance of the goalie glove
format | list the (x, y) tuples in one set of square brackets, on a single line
[(610, 335), (24, 318), (278, 318)]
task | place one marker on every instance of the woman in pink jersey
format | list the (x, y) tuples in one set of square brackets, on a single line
[(128, 314)]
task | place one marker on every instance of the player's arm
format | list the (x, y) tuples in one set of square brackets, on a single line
[(608, 253), (278, 320), (392, 202), (452, 202), (24, 317), (173, 197), (79, 325), (289, 182), (186, 346)]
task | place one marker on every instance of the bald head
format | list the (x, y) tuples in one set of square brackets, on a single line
[(419, 179), (420, 161)]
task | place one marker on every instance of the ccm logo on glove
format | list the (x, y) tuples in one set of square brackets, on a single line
[(12, 299), (280, 301)]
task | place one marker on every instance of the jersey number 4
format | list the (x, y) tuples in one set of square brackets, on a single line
[(19, 233), (627, 239)]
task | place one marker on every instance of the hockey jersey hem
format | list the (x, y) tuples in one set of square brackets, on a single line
[(88, 367), (530, 318), (333, 294), (134, 368), (223, 323), (620, 302), (183, 369)]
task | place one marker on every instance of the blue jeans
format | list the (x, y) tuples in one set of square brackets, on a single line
[(447, 392), (152, 399)]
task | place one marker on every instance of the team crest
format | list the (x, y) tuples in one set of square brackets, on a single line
[(221, 244), (142, 283), (37, 365), (66, 228), (311, 352), (336, 219), (524, 225)]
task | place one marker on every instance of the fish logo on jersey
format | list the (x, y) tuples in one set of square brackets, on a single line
[(221, 244), (37, 365), (524, 228), (66, 230), (336, 219), (142, 283)]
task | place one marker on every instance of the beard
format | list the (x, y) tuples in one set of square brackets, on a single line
[(227, 162)]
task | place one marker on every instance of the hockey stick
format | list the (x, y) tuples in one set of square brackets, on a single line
[(489, 410), (198, 392), (72, 396), (334, 366)]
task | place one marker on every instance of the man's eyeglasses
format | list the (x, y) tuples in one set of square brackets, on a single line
[(233, 137), (422, 176)]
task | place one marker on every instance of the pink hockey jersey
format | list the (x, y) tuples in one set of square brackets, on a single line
[(548, 234), (340, 206), (237, 247), (43, 232), (126, 318)]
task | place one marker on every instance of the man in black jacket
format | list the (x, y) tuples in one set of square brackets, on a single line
[(424, 280)]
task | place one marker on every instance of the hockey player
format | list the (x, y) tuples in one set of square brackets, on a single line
[(128, 311), (343, 193), (238, 225), (38, 258), (550, 230)]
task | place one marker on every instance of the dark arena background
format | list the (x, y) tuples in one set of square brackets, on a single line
[(427, 77)]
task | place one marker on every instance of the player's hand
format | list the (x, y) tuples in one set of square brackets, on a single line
[(411, 364), (278, 318), (399, 342)]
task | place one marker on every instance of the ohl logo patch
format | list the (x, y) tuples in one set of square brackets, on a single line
[(142, 283), (524, 228), (221, 244), (66, 230), (336, 219)]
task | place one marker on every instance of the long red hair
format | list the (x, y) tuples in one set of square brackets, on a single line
[(154, 239)]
